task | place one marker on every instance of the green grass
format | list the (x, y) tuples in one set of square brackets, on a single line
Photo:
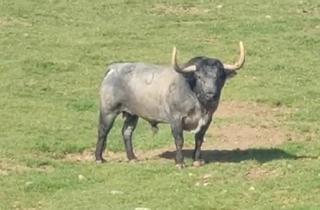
[(52, 59)]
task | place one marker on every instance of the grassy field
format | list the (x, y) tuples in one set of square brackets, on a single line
[(53, 55)]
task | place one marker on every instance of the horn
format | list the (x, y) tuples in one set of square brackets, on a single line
[(176, 66), (237, 65)]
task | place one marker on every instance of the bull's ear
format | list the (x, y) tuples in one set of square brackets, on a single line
[(188, 75), (230, 73)]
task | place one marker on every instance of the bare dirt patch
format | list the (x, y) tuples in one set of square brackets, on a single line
[(87, 155), (248, 125), (236, 109), (236, 136), (241, 126)]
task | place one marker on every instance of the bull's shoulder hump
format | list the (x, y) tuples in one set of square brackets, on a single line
[(116, 68)]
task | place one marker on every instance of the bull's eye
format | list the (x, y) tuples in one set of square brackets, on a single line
[(198, 76)]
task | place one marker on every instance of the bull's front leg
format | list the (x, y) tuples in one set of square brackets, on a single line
[(177, 132), (198, 161)]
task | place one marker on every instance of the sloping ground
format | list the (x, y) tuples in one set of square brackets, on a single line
[(240, 126)]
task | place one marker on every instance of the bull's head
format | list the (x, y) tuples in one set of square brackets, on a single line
[(207, 75)]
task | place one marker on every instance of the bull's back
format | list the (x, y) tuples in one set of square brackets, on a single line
[(141, 89)]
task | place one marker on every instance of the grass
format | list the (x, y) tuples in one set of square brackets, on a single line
[(52, 59)]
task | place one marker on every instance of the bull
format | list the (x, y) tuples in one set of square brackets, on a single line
[(184, 96)]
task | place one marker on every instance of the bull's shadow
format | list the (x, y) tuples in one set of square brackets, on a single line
[(260, 155)]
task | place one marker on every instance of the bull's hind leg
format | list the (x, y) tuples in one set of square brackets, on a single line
[(129, 125), (105, 124)]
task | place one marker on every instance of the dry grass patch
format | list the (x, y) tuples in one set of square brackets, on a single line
[(4, 22), (258, 173), (178, 10), (8, 166)]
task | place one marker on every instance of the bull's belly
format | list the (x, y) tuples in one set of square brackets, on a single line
[(148, 114), (157, 114)]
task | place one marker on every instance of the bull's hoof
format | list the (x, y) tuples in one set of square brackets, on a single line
[(100, 161), (180, 166), (198, 163)]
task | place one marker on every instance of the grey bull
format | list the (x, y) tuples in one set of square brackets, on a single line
[(184, 96)]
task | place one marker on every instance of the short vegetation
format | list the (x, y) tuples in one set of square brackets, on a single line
[(53, 56)]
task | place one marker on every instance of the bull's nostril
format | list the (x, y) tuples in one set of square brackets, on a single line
[(210, 95)]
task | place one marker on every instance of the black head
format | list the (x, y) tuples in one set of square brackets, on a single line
[(207, 76)]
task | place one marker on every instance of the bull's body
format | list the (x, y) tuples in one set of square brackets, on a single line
[(155, 93), (184, 97)]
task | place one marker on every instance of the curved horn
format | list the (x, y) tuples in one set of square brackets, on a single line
[(176, 65), (240, 61)]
